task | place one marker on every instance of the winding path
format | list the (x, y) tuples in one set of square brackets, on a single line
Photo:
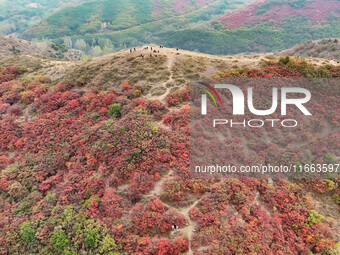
[(191, 225)]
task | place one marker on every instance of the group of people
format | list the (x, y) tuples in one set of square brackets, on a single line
[(146, 48), (152, 51)]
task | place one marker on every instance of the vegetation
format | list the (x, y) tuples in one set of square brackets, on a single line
[(129, 24), (325, 48), (99, 16), (263, 8), (27, 233), (115, 109), (60, 240), (314, 218), (97, 29), (264, 37), (17, 16), (74, 180)]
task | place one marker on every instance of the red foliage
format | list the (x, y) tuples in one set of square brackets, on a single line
[(125, 86), (60, 153), (155, 217), (166, 248), (111, 204), (178, 97), (316, 11)]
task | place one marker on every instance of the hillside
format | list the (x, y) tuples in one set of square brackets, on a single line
[(214, 26), (316, 12), (169, 71), (95, 156), (325, 48), (130, 23), (10, 45), (210, 26), (99, 16), (17, 16)]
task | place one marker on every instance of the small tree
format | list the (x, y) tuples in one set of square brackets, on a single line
[(314, 218), (92, 238), (27, 233), (96, 51), (60, 240), (115, 109), (108, 245)]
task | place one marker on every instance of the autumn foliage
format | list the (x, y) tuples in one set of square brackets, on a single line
[(77, 179)]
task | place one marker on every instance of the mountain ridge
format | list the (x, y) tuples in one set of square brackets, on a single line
[(10, 44), (324, 48)]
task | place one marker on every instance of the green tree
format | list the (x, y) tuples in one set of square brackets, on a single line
[(115, 109), (108, 245), (27, 233), (80, 44), (314, 218), (92, 238), (96, 51), (68, 42), (60, 240)]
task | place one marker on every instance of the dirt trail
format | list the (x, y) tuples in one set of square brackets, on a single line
[(190, 227), (169, 65), (157, 190), (209, 65)]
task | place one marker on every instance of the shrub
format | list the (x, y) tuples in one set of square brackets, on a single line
[(14, 110), (329, 158), (27, 97), (125, 86), (60, 240), (27, 233), (115, 109), (81, 80), (92, 238), (50, 197), (109, 125), (314, 218), (138, 93), (95, 115), (108, 245), (178, 97), (88, 201), (155, 130)]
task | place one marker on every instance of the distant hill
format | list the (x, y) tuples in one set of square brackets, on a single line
[(16, 16), (210, 26), (105, 16), (131, 23), (317, 12), (325, 48), (10, 45)]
